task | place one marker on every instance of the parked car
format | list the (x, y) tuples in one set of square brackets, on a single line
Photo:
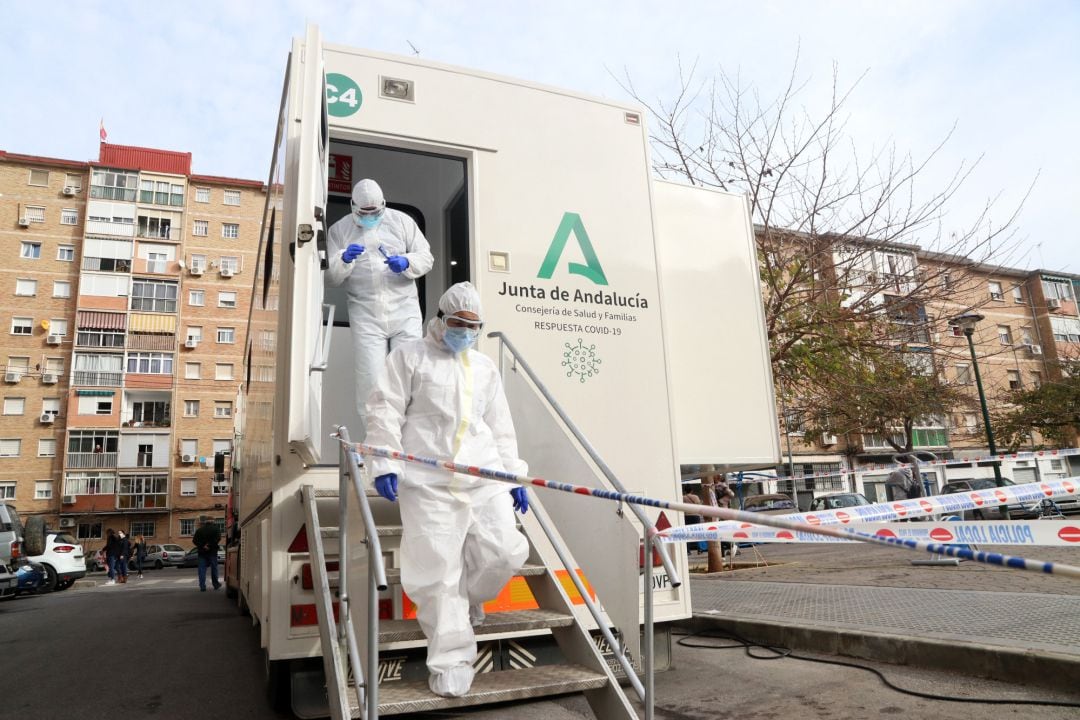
[(838, 500), (31, 577), (987, 512), (774, 504), (63, 561), (191, 558), (158, 556), (12, 555), (95, 560)]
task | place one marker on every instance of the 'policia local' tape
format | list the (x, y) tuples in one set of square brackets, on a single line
[(882, 467), (1056, 533), (1002, 560), (1030, 494)]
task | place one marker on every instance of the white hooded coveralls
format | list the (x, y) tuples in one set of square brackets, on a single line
[(459, 544), (383, 305)]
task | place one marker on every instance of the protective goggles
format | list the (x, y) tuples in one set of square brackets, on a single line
[(460, 322), (368, 211)]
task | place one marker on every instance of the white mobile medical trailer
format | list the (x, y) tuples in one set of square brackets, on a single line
[(635, 304)]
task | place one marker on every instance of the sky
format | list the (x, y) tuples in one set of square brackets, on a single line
[(205, 77)]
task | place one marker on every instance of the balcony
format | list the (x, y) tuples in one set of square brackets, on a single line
[(158, 233), (108, 227), (150, 341), (93, 378), (106, 264), (85, 460), (110, 192), (143, 502), (98, 339), (156, 267)]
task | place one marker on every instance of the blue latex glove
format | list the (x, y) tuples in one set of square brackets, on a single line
[(397, 263), (352, 252), (521, 499), (386, 485)]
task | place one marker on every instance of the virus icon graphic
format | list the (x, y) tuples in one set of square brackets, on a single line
[(581, 360)]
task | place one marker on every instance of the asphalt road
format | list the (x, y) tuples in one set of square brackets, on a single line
[(159, 648)]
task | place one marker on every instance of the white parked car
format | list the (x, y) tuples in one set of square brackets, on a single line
[(63, 561)]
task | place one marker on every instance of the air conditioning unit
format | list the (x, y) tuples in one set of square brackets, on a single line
[(828, 439), (1035, 349), (1051, 303), (191, 343), (69, 499), (24, 222), (54, 339), (226, 272), (50, 378), (67, 522), (187, 459), (196, 270), (47, 418), (69, 190), (12, 377)]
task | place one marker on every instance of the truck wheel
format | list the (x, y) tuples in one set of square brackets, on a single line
[(50, 580), (230, 591), (277, 684), (34, 535)]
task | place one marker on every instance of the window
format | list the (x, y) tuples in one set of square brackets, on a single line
[(22, 326), (145, 455), (34, 213), (230, 263), (1018, 294), (189, 446), (39, 178), (61, 289), (194, 332), (222, 409), (995, 290), (142, 491), (1014, 379), (153, 295), (200, 228), (191, 408), (223, 446), (30, 250), (1036, 378), (145, 528), (151, 414), (963, 374), (88, 531), (46, 447), (25, 287), (42, 489), (161, 193), (10, 447), (226, 335), (191, 370), (14, 405), (202, 195), (58, 326), (93, 441), (198, 261), (226, 299), (100, 338), (232, 197), (113, 185), (196, 298), (150, 363), (73, 181), (187, 526), (188, 488), (220, 485), (1004, 334), (1056, 289), (223, 371), (50, 406), (7, 491), (92, 405), (1065, 329), (69, 216), (230, 230), (65, 253), (18, 364), (1026, 336)]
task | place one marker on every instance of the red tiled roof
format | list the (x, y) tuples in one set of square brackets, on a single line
[(41, 160), (130, 157)]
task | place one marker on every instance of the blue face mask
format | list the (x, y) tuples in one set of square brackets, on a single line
[(368, 222), (459, 339)]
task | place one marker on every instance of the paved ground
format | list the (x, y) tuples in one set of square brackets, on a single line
[(872, 602)]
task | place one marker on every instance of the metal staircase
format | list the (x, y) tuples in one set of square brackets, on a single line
[(352, 635)]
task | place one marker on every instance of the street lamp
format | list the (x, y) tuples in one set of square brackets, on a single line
[(967, 323)]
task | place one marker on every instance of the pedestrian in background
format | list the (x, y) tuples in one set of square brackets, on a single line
[(139, 554), (112, 553), (123, 552), (206, 539)]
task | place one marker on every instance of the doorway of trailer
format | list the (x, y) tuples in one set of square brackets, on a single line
[(431, 188)]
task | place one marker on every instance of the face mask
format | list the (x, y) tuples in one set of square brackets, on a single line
[(459, 339), (368, 222)]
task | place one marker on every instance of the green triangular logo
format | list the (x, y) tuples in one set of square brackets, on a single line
[(571, 223)]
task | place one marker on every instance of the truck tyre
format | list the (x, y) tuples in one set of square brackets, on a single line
[(34, 535), (277, 684)]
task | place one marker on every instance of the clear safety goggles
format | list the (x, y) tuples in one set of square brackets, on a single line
[(459, 322), (368, 211)]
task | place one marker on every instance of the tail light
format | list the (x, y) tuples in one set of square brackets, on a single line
[(16, 551), (63, 548), (164, 556)]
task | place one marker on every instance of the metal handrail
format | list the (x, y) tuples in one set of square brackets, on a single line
[(676, 581), (367, 692)]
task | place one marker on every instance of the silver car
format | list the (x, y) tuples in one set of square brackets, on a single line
[(159, 556)]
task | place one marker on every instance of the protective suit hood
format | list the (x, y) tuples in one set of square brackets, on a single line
[(366, 194)]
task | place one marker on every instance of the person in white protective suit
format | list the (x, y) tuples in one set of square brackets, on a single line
[(379, 252), (436, 397)]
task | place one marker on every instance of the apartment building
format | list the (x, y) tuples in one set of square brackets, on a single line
[(147, 351)]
